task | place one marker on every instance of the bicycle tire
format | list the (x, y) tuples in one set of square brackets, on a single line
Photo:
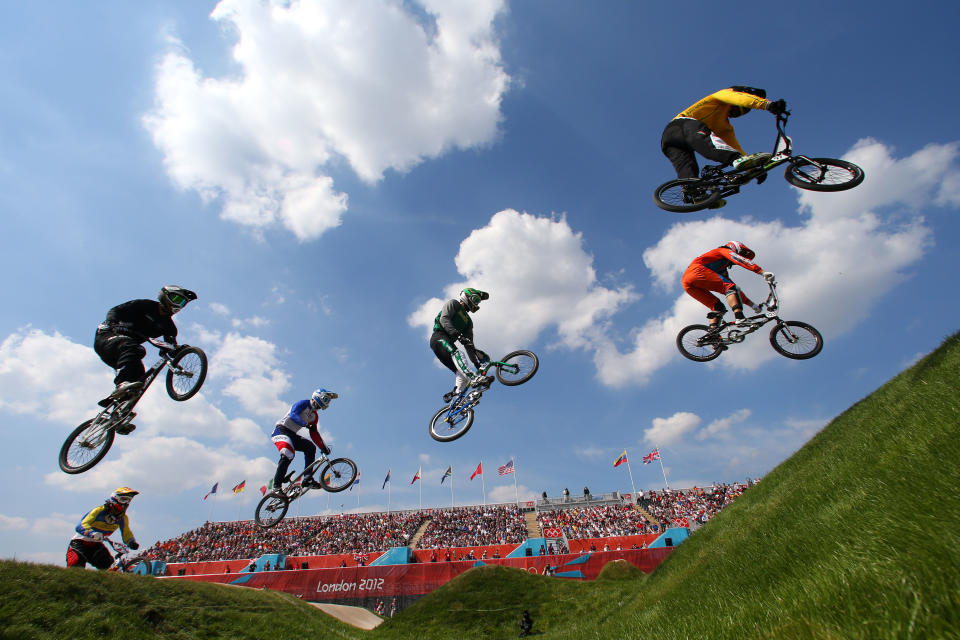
[(333, 471), (528, 362), (271, 509), (102, 446), (193, 361), (808, 341), (689, 342), (839, 176), (442, 431), (671, 196)]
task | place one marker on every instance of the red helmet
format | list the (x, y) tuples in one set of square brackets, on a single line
[(740, 249)]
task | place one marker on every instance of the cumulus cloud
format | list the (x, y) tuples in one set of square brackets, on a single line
[(254, 378), (185, 465), (507, 257), (833, 268), (13, 523), (722, 425), (377, 85), (667, 431), (507, 493)]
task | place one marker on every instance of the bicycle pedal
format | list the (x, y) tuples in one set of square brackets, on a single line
[(126, 429)]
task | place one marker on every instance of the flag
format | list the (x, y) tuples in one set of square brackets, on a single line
[(505, 469), (266, 487), (623, 458), (240, 487), (478, 472), (385, 480), (355, 482), (650, 457), (447, 474), (212, 491), (416, 476)]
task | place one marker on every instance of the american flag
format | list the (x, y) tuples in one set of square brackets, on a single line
[(650, 457), (505, 469)]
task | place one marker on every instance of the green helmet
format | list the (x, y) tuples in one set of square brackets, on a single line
[(470, 298)]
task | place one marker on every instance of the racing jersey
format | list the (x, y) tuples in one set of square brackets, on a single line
[(714, 111), (105, 521), (300, 416), (719, 260), (454, 320), (140, 319)]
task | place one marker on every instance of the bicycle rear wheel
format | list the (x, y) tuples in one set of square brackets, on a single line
[(698, 344), (685, 195), (796, 340), (186, 374), (828, 174), (459, 423), (526, 364), (271, 510), (86, 445), (338, 474)]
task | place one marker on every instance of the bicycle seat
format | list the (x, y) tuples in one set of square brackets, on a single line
[(711, 170)]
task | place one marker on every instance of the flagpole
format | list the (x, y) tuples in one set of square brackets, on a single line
[(630, 471), (210, 515), (516, 491), (660, 458), (483, 484), (389, 487), (421, 488), (451, 488)]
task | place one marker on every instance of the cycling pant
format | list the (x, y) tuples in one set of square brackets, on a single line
[(683, 136), (80, 552), (121, 352), (451, 357), (699, 282), (287, 442)]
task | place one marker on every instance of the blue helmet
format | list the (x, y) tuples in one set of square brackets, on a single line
[(321, 398)]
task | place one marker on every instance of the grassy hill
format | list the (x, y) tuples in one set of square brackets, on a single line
[(855, 536)]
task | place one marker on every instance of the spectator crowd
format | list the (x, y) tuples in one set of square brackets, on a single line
[(474, 526), (604, 521)]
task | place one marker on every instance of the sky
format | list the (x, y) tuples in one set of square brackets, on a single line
[(326, 174)]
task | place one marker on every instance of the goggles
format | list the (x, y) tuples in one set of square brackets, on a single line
[(177, 300)]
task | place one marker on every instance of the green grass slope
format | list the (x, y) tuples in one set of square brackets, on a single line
[(855, 536), (41, 602)]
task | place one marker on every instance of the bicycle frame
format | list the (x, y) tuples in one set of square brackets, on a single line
[(296, 489), (472, 395), (769, 311)]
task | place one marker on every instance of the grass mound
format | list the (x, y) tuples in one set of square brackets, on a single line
[(619, 570), (41, 602)]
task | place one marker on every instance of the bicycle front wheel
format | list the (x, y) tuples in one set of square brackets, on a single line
[(685, 195), (823, 174), (517, 367), (447, 426), (796, 340), (86, 446), (187, 372), (338, 474), (698, 344), (271, 510)]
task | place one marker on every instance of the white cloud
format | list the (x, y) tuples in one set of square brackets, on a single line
[(380, 85), (255, 321), (251, 365), (220, 308), (833, 268), (507, 258), (722, 425), (167, 466), (666, 431), (13, 523), (506, 493), (49, 376)]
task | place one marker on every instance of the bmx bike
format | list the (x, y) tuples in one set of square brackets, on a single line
[(336, 475), (89, 443), (686, 195), (455, 419), (123, 562), (790, 338)]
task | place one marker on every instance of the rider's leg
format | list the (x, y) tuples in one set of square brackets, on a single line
[(702, 140), (736, 304), (674, 145), (452, 359), (283, 441), (309, 451), (698, 283), (124, 354)]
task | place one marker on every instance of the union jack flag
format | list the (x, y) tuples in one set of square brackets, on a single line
[(650, 457)]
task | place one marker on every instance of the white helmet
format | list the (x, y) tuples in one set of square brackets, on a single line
[(321, 398), (470, 298)]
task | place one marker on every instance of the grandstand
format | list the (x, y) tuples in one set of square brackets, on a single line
[(358, 558)]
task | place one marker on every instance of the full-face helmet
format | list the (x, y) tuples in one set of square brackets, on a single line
[(174, 298), (740, 249), (470, 298), (321, 398)]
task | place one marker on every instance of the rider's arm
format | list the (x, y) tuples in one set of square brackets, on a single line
[(740, 99), (447, 314), (125, 533), (740, 260), (317, 439)]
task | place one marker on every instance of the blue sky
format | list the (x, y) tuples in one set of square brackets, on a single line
[(325, 174)]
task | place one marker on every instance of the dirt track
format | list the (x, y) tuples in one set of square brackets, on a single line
[(355, 616)]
